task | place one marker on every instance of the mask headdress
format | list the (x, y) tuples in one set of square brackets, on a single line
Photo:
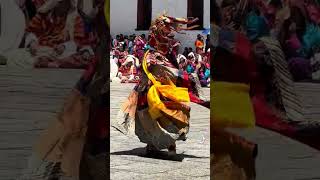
[(163, 27)]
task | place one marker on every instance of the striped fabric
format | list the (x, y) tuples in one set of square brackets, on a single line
[(315, 64), (51, 33), (283, 82), (38, 3)]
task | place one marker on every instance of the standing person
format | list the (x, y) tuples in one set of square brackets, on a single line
[(199, 44), (160, 123)]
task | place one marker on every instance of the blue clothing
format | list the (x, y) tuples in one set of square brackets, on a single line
[(190, 69), (206, 73), (311, 39), (256, 26)]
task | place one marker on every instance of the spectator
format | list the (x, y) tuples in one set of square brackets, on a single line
[(199, 44), (185, 52)]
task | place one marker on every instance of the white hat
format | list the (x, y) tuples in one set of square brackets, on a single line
[(48, 5), (191, 54), (88, 48), (179, 57)]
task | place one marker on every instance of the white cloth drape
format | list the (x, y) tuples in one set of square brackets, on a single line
[(12, 31)]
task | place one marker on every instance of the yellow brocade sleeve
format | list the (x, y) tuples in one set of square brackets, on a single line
[(231, 105), (156, 106)]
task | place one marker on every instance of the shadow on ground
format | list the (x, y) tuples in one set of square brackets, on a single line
[(141, 152)]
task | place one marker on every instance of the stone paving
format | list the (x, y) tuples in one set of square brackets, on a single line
[(128, 160), (281, 158), (31, 98)]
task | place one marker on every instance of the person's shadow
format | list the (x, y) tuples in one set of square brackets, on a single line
[(163, 155)]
